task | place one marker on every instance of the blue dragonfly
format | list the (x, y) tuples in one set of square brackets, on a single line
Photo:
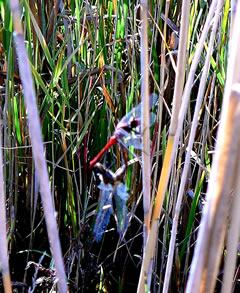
[(112, 201)]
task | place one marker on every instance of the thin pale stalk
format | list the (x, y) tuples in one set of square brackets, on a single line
[(3, 232), (213, 226), (170, 153), (181, 61), (37, 145), (189, 148), (233, 232), (233, 75), (146, 165), (173, 138), (163, 51)]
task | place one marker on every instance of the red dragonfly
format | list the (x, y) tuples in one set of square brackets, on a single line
[(127, 132)]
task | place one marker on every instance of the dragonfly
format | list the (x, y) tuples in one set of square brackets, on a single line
[(112, 201), (127, 132)]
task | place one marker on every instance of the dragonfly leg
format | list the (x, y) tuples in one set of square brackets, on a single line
[(125, 156)]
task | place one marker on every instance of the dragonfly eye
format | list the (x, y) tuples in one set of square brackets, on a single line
[(131, 125), (134, 123)]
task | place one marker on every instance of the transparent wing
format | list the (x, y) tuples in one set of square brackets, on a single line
[(134, 137), (120, 196), (136, 111), (133, 140), (122, 191), (106, 187), (104, 212)]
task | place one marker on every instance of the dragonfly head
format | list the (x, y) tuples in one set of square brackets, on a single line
[(129, 126), (134, 123), (104, 174)]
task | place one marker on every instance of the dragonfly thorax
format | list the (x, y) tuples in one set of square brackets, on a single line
[(104, 174), (129, 126), (134, 123)]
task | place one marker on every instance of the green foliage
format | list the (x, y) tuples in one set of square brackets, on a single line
[(65, 49)]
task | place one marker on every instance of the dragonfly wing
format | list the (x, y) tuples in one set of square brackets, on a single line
[(127, 139), (104, 212), (122, 191), (135, 112), (121, 196), (152, 118), (153, 100), (105, 187), (133, 140), (137, 129)]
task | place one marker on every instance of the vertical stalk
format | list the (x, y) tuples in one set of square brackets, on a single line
[(207, 254), (213, 224), (170, 153), (37, 145), (233, 230), (3, 238), (189, 148), (146, 166)]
